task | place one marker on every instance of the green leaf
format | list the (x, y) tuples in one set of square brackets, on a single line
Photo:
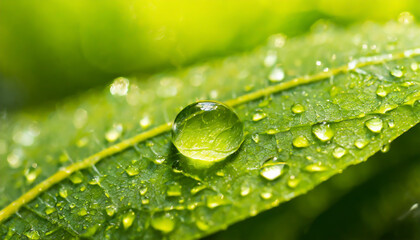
[(341, 96)]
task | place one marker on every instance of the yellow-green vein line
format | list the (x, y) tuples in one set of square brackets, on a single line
[(65, 172)]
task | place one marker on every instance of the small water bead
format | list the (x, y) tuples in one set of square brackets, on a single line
[(397, 72), (339, 152), (119, 86), (76, 178), (375, 125), (49, 210), (128, 219), (266, 194), (145, 122), (214, 201), (110, 210), (323, 132), (132, 170), (82, 212), (270, 59), (315, 168), (272, 172), (276, 75), (293, 182), (256, 138), (300, 142), (145, 201), (114, 133), (201, 225), (259, 116), (63, 192), (32, 234), (174, 190), (385, 148), (361, 143), (31, 173), (298, 108), (245, 189), (143, 191), (207, 131), (381, 91), (391, 123), (163, 222)]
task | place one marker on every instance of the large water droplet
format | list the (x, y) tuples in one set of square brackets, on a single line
[(300, 141), (163, 222), (323, 132), (272, 172), (120, 86), (207, 132), (276, 75), (128, 219), (339, 152), (375, 125), (361, 143), (298, 108), (391, 123), (31, 173), (397, 72)]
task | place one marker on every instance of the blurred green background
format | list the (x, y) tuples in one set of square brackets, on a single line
[(51, 49)]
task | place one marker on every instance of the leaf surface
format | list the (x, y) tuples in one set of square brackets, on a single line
[(344, 95)]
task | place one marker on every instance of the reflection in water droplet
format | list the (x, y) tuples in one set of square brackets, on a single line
[(375, 125), (385, 148), (114, 133), (259, 116), (110, 210), (120, 86), (32, 234), (174, 190), (163, 222), (361, 143), (339, 152), (272, 172), (207, 132), (128, 219), (298, 108), (300, 142), (276, 75), (323, 131)]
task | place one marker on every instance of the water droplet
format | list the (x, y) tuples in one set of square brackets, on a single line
[(256, 138), (128, 219), (72, 205), (276, 75), (63, 192), (298, 108), (76, 178), (159, 161), (80, 118), (361, 143), (266, 194), (120, 86), (49, 210), (110, 210), (385, 148), (381, 91), (114, 133), (339, 152), (315, 168), (272, 172), (323, 131), (397, 72), (245, 189), (82, 212), (132, 170), (145, 201), (259, 116), (32, 234), (391, 123), (406, 18), (201, 225), (143, 191), (145, 122), (375, 125), (197, 189), (163, 222), (31, 173), (215, 201), (414, 66), (300, 142), (292, 182), (174, 190), (270, 59), (207, 132)]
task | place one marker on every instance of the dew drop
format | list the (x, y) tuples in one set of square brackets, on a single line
[(128, 219), (63, 192), (323, 132), (143, 191), (298, 108), (201, 225), (276, 75), (174, 190), (315, 168), (82, 212), (300, 141), (397, 72), (31, 173), (414, 66), (381, 91), (391, 123), (132, 171), (259, 116), (197, 189), (114, 133), (272, 172), (339, 152), (207, 132), (292, 182), (361, 143), (145, 201), (375, 125), (256, 138), (110, 210), (145, 122), (266, 194), (163, 222), (215, 201), (385, 148), (270, 59), (245, 189), (32, 234), (76, 178), (119, 86), (49, 210)]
